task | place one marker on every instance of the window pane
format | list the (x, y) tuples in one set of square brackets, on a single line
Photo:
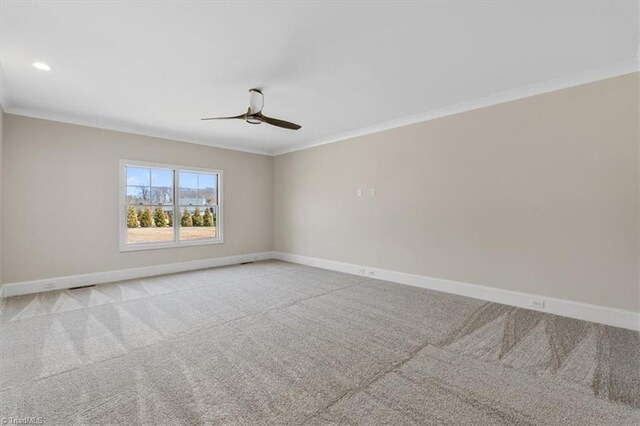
[(191, 197), (138, 195), (208, 186), (210, 196), (206, 181), (162, 177), (197, 223), (162, 195), (150, 224), (137, 176), (188, 180), (198, 189)]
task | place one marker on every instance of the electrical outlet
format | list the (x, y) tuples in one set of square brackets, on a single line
[(536, 303), (49, 286), (362, 272), (372, 273)]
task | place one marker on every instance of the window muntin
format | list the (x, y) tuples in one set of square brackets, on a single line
[(151, 219)]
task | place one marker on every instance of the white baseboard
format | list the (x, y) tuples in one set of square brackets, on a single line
[(566, 308), (37, 286)]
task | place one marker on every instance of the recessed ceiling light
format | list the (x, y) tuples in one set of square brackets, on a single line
[(42, 66)]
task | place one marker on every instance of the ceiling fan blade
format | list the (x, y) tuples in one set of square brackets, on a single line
[(279, 123), (241, 116)]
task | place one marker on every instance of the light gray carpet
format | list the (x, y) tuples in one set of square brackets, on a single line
[(277, 343)]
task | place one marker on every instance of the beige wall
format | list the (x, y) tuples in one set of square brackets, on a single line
[(55, 173), (538, 195)]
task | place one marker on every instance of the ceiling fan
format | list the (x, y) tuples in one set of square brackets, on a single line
[(254, 113)]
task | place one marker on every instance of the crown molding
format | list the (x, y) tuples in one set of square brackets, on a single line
[(499, 98), (122, 127)]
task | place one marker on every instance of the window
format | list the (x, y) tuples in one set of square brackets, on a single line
[(169, 206)]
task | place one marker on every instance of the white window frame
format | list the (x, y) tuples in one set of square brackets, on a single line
[(124, 246)]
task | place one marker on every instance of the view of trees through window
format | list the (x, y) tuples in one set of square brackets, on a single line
[(154, 215), (197, 200)]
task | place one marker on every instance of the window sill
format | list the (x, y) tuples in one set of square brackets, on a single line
[(172, 244)]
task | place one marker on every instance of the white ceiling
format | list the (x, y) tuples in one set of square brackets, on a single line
[(335, 68)]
